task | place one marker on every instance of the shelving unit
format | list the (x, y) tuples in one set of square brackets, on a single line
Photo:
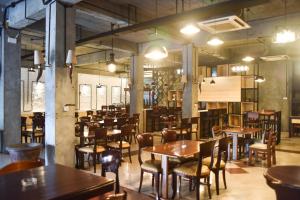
[(175, 98), (246, 87)]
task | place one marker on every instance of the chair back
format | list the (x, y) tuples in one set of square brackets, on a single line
[(100, 136), (206, 150), (271, 142), (89, 113), (97, 118), (85, 119), (110, 162), (23, 123), (169, 135), (104, 108), (121, 122), (217, 131), (108, 122), (195, 120), (19, 166), (137, 116), (222, 151), (185, 123), (144, 140), (112, 107)]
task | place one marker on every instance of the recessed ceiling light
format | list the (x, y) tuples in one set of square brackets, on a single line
[(215, 41), (189, 30), (285, 36), (248, 59)]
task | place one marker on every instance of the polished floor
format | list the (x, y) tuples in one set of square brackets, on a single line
[(243, 182)]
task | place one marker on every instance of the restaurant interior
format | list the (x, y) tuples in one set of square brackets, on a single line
[(150, 99)]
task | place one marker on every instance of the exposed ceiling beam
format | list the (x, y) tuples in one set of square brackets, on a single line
[(200, 13)]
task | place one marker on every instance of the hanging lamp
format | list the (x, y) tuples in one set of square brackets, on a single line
[(111, 64)]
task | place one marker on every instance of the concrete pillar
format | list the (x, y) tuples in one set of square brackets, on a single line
[(60, 36), (137, 87), (10, 88), (190, 69)]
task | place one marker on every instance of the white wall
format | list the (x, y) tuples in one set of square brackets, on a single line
[(108, 81)]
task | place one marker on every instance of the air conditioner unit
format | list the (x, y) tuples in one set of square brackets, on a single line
[(274, 58), (224, 24)]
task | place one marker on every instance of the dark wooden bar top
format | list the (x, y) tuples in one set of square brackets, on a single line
[(53, 182)]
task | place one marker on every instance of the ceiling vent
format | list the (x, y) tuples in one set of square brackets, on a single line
[(224, 24), (274, 58)]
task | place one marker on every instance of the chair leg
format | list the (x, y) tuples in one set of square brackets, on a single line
[(274, 156), (269, 158), (208, 187), (224, 178), (250, 157), (174, 185), (157, 185), (190, 184), (197, 185), (117, 183), (129, 153), (94, 162), (152, 180), (141, 180), (217, 180)]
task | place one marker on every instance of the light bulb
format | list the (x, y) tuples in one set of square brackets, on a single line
[(189, 30)]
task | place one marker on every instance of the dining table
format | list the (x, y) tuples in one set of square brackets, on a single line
[(53, 182), (234, 132), (285, 180), (179, 149)]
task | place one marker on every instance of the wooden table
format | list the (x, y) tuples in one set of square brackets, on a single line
[(285, 180), (182, 148), (235, 132), (54, 182)]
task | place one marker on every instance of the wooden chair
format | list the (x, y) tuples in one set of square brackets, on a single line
[(104, 108), (195, 170), (85, 119), (137, 116), (121, 122), (195, 126), (267, 150), (185, 129), (133, 122), (24, 133), (151, 166), (89, 113), (95, 148), (111, 107), (19, 166), (110, 162), (109, 123), (38, 129), (220, 162), (124, 140)]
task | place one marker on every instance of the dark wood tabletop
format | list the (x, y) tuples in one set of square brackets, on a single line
[(182, 148), (54, 182), (287, 176), (241, 130)]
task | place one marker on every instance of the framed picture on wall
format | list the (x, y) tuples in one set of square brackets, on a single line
[(101, 96), (38, 96), (115, 94), (85, 97)]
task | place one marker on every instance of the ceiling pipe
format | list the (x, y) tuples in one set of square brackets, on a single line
[(229, 7)]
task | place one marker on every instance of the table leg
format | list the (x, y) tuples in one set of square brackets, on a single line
[(234, 145), (164, 166)]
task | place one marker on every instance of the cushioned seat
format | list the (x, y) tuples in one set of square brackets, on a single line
[(117, 144), (152, 165), (206, 161), (176, 161), (258, 146), (90, 149), (190, 169)]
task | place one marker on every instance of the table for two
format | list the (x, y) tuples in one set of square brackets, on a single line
[(183, 148)]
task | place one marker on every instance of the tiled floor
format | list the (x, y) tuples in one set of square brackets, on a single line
[(244, 182)]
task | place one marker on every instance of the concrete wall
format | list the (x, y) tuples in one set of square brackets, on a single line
[(272, 91)]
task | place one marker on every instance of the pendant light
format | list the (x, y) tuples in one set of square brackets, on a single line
[(189, 30), (258, 78), (156, 51), (111, 64), (71, 60), (285, 35), (247, 58)]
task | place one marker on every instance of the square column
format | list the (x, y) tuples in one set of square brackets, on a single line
[(190, 70), (10, 88), (60, 119), (137, 87)]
